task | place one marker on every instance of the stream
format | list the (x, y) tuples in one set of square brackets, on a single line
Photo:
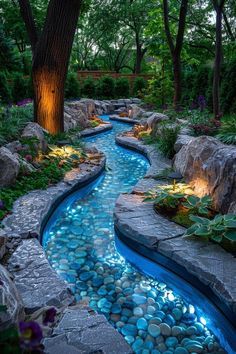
[(80, 244)]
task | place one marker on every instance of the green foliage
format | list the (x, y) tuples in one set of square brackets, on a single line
[(197, 205), (170, 196), (52, 169), (227, 131), (13, 121), (159, 91), (106, 87), (122, 88), (20, 88), (166, 140), (5, 89), (220, 228), (228, 88), (72, 89), (89, 87), (140, 85), (10, 341)]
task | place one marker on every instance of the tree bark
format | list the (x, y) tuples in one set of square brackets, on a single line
[(218, 58), (50, 62), (176, 48)]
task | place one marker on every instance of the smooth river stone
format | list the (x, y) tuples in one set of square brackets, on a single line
[(171, 342), (116, 308), (139, 299), (154, 330), (81, 254), (165, 329), (129, 330), (138, 311), (177, 313), (181, 350), (142, 324)]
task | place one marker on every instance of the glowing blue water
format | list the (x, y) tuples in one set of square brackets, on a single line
[(79, 242)]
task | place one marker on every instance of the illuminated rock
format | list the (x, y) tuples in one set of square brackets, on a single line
[(9, 167)]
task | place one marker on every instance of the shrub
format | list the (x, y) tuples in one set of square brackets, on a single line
[(106, 87), (227, 131), (5, 89), (122, 87), (20, 88), (228, 88), (167, 139), (139, 86), (159, 91), (72, 89), (13, 121), (89, 87)]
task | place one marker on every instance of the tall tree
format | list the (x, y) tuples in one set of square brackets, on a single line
[(51, 52), (176, 45), (218, 6)]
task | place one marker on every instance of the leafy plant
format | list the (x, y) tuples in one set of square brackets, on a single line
[(13, 120), (89, 88), (169, 196), (197, 205), (166, 140), (217, 229), (139, 86), (227, 131), (106, 87), (122, 87), (72, 89)]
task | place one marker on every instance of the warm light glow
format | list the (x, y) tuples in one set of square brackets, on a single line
[(48, 97), (200, 187)]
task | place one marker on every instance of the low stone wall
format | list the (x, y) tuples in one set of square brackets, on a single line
[(208, 266)]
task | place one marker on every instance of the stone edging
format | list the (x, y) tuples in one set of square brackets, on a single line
[(37, 283), (123, 119), (96, 130), (206, 265)]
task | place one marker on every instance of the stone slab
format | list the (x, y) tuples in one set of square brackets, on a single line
[(37, 283), (138, 221), (96, 130), (81, 331), (209, 262), (30, 210), (123, 119)]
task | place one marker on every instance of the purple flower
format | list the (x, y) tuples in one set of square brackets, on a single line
[(201, 102), (2, 205), (49, 316), (30, 334), (24, 102)]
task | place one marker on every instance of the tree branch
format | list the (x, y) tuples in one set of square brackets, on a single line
[(26, 13), (182, 24)]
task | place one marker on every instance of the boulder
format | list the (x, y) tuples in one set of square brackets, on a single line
[(9, 297), (14, 146), (135, 111), (34, 130), (90, 106), (181, 141), (154, 120), (210, 167), (9, 167), (75, 114)]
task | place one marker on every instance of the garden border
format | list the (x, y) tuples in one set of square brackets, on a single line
[(161, 249)]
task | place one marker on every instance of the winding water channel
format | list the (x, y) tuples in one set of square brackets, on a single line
[(80, 244)]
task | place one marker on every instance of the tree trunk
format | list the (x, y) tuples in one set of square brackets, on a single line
[(177, 80), (139, 58), (51, 56), (217, 65)]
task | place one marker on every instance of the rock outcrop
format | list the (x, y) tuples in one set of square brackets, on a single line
[(9, 167), (10, 298), (210, 167), (34, 130)]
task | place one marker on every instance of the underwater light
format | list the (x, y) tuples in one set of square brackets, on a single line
[(203, 321), (191, 309)]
